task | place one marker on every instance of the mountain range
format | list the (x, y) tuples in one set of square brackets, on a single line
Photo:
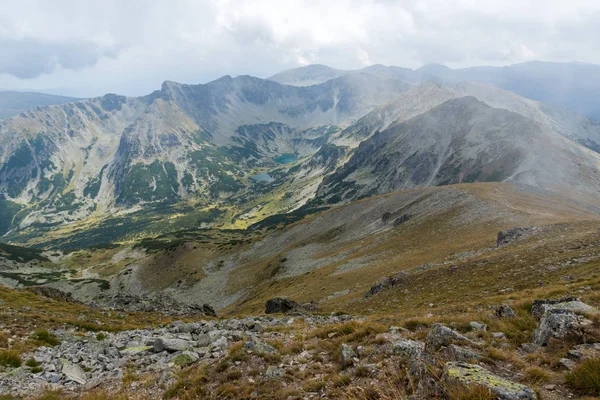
[(232, 152)]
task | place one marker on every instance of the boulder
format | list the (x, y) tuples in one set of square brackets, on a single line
[(558, 324), (386, 282), (511, 235), (478, 326), (347, 355), (408, 348), (539, 307), (171, 345), (185, 358), (260, 347), (274, 373), (135, 350), (504, 311), (469, 375), (280, 305), (441, 336), (458, 353), (75, 373)]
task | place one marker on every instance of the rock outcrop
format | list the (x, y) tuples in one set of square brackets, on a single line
[(280, 305)]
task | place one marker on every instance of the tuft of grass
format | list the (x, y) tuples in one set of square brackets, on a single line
[(10, 358), (42, 335), (537, 375), (458, 392), (314, 386), (362, 372), (586, 376), (51, 395), (342, 381), (101, 336)]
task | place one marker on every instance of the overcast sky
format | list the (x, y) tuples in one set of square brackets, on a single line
[(88, 48)]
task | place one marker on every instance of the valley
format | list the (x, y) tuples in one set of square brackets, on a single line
[(382, 215)]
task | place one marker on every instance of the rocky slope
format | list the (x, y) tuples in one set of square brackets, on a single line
[(198, 143)]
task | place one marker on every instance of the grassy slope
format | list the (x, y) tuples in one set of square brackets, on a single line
[(437, 236)]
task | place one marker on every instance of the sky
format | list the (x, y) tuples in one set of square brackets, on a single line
[(88, 48)]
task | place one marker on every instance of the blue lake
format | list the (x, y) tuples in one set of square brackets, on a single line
[(286, 158), (264, 177)]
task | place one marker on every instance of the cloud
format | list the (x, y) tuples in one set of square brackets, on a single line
[(29, 58), (131, 46)]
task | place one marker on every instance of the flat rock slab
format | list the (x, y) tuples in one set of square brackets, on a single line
[(469, 375), (574, 304), (75, 373), (135, 350), (171, 345)]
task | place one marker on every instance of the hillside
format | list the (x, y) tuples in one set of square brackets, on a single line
[(14, 103)]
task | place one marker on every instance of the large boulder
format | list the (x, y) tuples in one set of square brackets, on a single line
[(441, 336), (171, 345), (411, 349), (75, 373), (558, 324), (470, 375), (280, 305), (539, 307)]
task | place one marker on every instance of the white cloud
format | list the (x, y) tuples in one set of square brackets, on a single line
[(131, 46)]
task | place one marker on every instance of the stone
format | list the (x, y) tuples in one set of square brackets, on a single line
[(185, 358), (557, 324), (574, 304), (386, 283), (75, 373), (511, 235), (529, 348), (171, 345), (585, 351), (441, 336), (469, 375), (260, 347), (135, 350), (498, 335), (568, 364), (478, 326), (347, 355), (274, 373), (458, 353), (408, 348), (280, 305), (504, 311)]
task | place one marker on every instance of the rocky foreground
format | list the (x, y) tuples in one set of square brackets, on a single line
[(318, 356)]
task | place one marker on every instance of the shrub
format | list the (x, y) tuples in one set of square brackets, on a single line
[(586, 376), (342, 380), (101, 336), (315, 385), (10, 358)]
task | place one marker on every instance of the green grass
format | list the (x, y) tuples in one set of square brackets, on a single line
[(10, 358)]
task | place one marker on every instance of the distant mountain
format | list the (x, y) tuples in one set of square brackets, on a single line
[(465, 140), (13, 103), (574, 86)]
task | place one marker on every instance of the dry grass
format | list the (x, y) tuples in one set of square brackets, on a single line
[(586, 377)]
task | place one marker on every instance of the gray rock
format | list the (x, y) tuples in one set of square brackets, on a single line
[(347, 355), (574, 304), (280, 305), (458, 353), (75, 373), (441, 336), (568, 364), (585, 351), (259, 346), (408, 348), (274, 373), (529, 348), (171, 345), (557, 324), (498, 335), (504, 311), (478, 326), (469, 375)]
